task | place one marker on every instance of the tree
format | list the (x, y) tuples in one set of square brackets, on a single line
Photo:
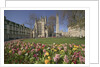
[(51, 24), (75, 18), (31, 20)]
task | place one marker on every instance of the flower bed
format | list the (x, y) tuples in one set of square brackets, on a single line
[(19, 52)]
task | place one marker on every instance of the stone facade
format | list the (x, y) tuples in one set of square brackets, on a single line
[(15, 31), (40, 28), (76, 32)]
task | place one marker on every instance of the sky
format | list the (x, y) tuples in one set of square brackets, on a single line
[(21, 16)]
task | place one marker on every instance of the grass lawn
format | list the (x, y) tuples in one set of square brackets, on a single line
[(62, 40)]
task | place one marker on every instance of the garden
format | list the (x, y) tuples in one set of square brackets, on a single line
[(45, 51)]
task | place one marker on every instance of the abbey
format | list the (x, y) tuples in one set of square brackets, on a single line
[(40, 27)]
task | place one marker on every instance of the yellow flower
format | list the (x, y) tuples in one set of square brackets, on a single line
[(44, 55), (80, 47), (23, 51), (10, 51), (59, 45), (74, 48), (69, 51), (55, 50), (49, 57), (52, 49), (46, 61), (62, 50), (56, 45), (31, 44), (42, 47), (47, 53), (72, 63)]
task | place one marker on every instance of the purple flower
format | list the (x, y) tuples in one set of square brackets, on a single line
[(35, 55)]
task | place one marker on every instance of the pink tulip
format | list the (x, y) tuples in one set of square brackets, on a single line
[(59, 48), (32, 50), (66, 59), (13, 52), (63, 45), (56, 58), (44, 50), (82, 59), (36, 50), (70, 45), (83, 45), (19, 52), (13, 49), (17, 49), (83, 49), (17, 44), (26, 47), (65, 49), (43, 45)]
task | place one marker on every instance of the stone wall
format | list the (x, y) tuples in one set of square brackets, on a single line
[(76, 32)]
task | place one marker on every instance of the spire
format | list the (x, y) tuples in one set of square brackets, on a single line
[(57, 23), (45, 19)]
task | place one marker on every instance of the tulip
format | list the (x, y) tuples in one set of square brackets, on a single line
[(35, 55), (66, 59), (47, 61), (26, 47), (19, 52), (17, 49), (32, 50), (56, 58), (65, 49), (82, 59), (70, 45), (44, 50)]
